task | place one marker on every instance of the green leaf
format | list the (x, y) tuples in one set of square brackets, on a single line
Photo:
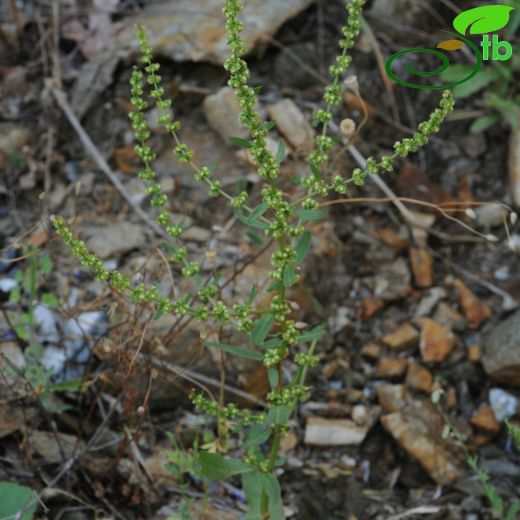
[(261, 328), (253, 485), (216, 467), (509, 109), (251, 295), (302, 246), (279, 414), (514, 507), (269, 125), (13, 499), (482, 123), (68, 386), (481, 20), (243, 143), (280, 153), (289, 275), (315, 333), (236, 351), (272, 375), (252, 219), (481, 80), (248, 221), (49, 299), (15, 295), (315, 171), (272, 488), (311, 214), (271, 343), (45, 264), (258, 435), (455, 72), (255, 237)]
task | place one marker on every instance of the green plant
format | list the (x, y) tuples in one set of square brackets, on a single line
[(492, 494), (269, 334), (14, 499), (514, 431), (24, 298)]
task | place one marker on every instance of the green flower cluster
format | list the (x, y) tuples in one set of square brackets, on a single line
[(401, 148), (230, 412), (333, 92)]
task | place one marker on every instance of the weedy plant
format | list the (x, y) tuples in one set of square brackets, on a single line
[(271, 335), (21, 312), (498, 506)]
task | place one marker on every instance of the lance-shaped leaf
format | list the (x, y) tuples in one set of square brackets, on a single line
[(481, 20)]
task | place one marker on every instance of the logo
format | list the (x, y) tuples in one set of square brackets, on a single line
[(478, 21)]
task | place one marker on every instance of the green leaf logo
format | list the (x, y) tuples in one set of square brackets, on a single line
[(481, 20)]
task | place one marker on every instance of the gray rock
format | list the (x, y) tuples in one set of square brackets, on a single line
[(182, 30), (502, 351), (115, 239)]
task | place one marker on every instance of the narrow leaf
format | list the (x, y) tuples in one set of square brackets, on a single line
[(289, 275), (248, 221), (311, 214), (251, 296), (272, 374), (482, 123), (280, 153), (279, 414), (258, 435), (253, 486), (272, 488), (313, 334), (302, 246), (261, 329), (236, 351), (216, 467), (243, 143)]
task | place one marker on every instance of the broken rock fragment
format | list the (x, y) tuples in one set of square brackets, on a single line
[(292, 125), (417, 428), (474, 310), (404, 337), (333, 432), (436, 341), (502, 351)]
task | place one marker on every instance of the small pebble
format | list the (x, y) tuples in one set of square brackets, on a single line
[(502, 403)]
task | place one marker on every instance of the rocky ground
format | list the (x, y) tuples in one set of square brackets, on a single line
[(411, 310)]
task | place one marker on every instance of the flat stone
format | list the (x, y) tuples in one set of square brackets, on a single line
[(404, 337), (333, 432), (421, 261), (293, 125), (419, 377), (115, 239), (484, 419), (474, 310), (502, 351), (417, 428), (222, 112), (389, 367), (183, 30), (436, 341)]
